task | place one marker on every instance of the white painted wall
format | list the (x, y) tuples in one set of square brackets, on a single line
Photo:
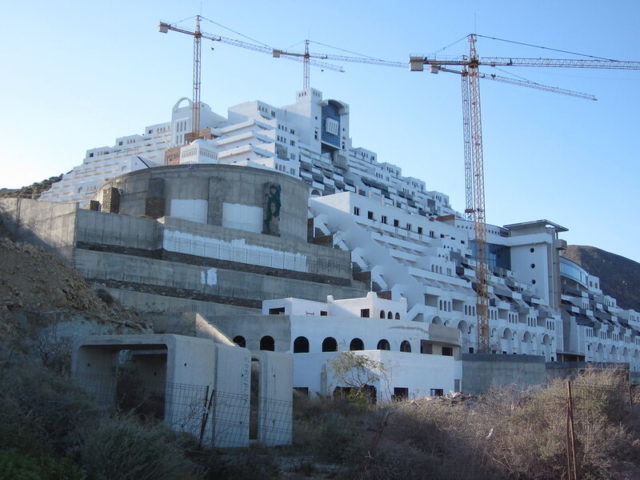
[(235, 250), (242, 217), (193, 210), (417, 372)]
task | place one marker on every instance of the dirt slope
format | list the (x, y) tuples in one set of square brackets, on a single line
[(35, 280)]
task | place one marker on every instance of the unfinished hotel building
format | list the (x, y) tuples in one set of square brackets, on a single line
[(404, 242)]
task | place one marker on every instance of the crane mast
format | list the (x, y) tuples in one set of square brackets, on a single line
[(197, 77), (477, 187)]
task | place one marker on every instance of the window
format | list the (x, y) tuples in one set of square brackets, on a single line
[(437, 392), (382, 314), (301, 345), (420, 230), (405, 346), (332, 126), (370, 215), (396, 223), (240, 341), (364, 313), (447, 351), (384, 219), (329, 344), (301, 391), (267, 343), (356, 211), (400, 394), (356, 344), (383, 345)]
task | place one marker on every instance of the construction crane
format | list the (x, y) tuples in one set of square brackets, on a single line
[(307, 58), (472, 133), (198, 35)]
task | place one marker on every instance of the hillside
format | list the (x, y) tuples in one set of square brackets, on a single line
[(32, 191), (619, 276)]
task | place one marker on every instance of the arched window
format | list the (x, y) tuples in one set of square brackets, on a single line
[(389, 315), (267, 343), (397, 316), (240, 341), (329, 344), (382, 315), (356, 344), (301, 345), (405, 346), (383, 345)]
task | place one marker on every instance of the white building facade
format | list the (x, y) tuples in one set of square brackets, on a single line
[(405, 241)]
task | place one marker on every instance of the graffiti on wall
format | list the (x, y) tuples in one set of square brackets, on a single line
[(272, 204)]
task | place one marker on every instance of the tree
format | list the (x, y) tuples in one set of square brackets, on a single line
[(357, 374)]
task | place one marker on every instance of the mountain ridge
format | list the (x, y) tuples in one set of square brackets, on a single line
[(619, 276)]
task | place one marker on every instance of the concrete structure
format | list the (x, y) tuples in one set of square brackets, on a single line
[(202, 233), (195, 385), (223, 260)]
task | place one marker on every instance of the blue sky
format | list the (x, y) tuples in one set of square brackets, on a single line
[(76, 75)]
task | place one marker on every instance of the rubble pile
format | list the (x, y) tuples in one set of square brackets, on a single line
[(35, 280), (453, 398)]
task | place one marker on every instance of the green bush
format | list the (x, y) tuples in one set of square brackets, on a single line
[(41, 413), (18, 466)]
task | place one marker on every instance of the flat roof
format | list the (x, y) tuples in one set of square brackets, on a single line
[(536, 223)]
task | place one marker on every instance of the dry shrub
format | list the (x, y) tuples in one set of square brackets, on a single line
[(253, 463), (509, 433), (448, 438), (123, 448)]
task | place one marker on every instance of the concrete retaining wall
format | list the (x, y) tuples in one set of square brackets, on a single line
[(174, 279), (481, 372), (48, 225)]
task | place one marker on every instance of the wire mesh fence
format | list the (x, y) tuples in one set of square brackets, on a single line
[(214, 417)]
